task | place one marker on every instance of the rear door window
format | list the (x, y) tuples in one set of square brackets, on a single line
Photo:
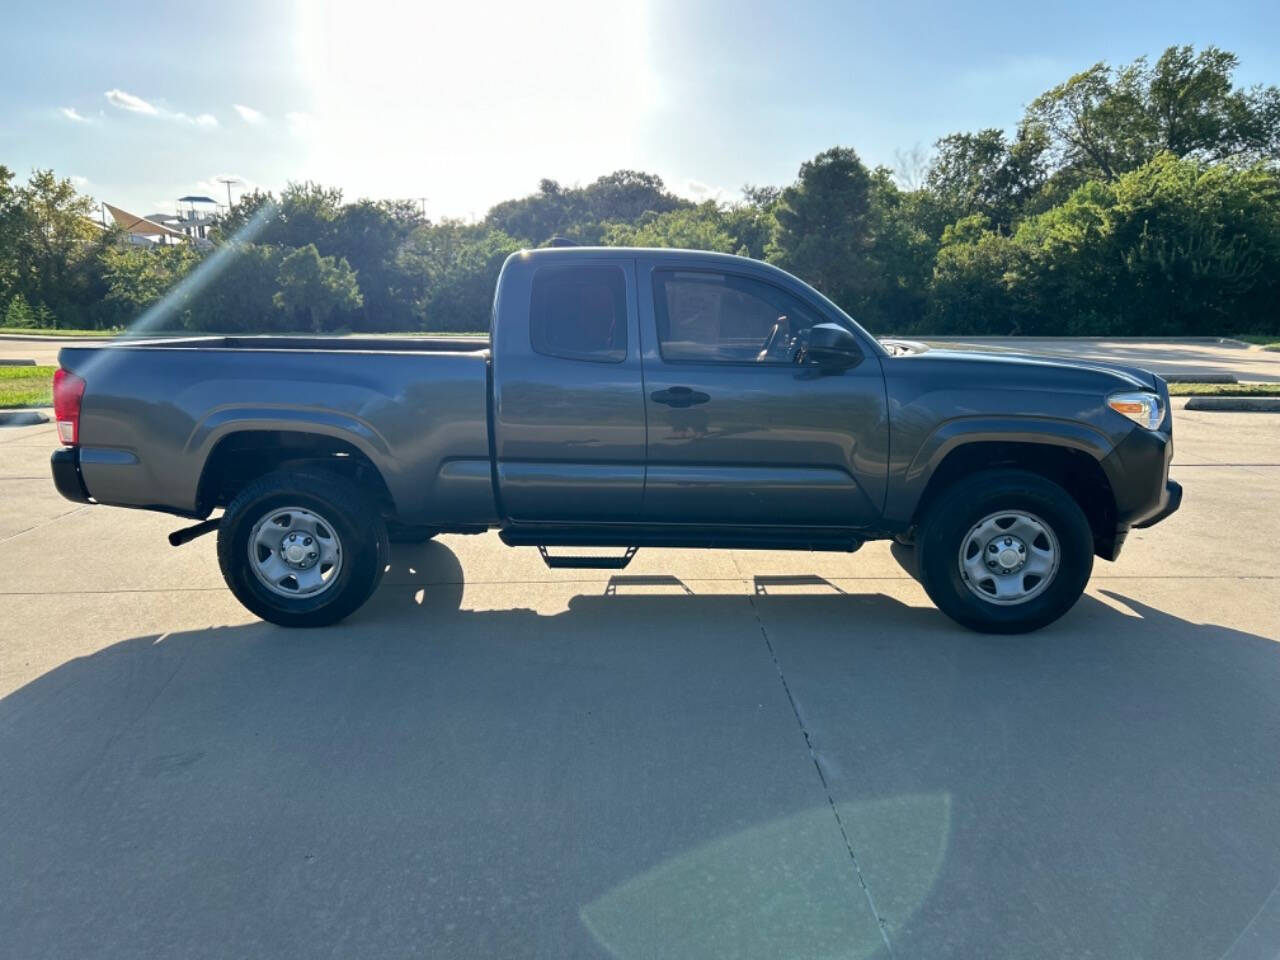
[(580, 313)]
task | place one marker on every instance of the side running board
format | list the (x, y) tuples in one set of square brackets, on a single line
[(587, 563)]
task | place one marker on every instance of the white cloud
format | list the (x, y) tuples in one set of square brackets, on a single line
[(80, 183), (127, 101), (71, 113), (249, 115), (698, 192), (135, 104)]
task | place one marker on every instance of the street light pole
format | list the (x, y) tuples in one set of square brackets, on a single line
[(229, 181)]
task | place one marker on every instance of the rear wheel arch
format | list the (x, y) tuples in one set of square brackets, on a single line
[(240, 457)]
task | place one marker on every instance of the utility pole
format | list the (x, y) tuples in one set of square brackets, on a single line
[(229, 181), (423, 201)]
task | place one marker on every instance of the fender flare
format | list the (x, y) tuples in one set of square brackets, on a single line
[(909, 486), (229, 421)]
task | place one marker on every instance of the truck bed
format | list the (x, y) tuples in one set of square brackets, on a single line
[(155, 413)]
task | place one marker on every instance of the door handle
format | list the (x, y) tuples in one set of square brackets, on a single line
[(679, 397)]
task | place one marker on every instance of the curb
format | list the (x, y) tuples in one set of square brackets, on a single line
[(7, 362), (1200, 378), (22, 418), (1235, 404)]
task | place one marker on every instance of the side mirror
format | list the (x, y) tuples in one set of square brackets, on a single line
[(832, 347)]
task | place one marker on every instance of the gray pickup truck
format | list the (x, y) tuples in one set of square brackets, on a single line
[(625, 398)]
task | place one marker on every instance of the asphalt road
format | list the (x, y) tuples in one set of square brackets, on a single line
[(733, 754)]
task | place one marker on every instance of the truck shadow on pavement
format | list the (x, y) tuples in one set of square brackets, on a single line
[(624, 776)]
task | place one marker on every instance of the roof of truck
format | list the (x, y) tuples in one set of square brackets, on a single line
[(628, 252)]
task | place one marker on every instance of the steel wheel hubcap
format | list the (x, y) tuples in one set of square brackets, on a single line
[(295, 552), (1009, 557)]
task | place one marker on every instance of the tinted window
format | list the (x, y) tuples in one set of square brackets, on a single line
[(580, 313), (727, 318)]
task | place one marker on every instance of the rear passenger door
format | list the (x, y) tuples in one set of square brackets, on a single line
[(569, 417)]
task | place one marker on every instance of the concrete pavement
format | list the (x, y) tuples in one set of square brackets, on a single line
[(729, 753)]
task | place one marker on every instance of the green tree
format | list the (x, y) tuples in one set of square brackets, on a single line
[(18, 313), (986, 174), (138, 277), (45, 318), (53, 242), (585, 213), (751, 222), (695, 228), (237, 292), (11, 227), (370, 236), (540, 216), (824, 228), (1104, 122), (320, 292), (1196, 243), (903, 255), (459, 264)]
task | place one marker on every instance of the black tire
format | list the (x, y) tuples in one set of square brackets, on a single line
[(354, 518), (966, 502), (408, 533)]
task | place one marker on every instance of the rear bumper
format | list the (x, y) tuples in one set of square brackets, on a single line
[(65, 464)]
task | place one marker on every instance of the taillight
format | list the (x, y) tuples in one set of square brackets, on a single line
[(68, 391)]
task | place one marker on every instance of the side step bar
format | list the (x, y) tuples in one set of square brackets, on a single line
[(532, 535), (587, 563)]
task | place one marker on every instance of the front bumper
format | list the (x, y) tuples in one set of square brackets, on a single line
[(1138, 472), (1169, 503), (65, 464)]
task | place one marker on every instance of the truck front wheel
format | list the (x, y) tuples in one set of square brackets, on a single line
[(302, 549), (1004, 551)]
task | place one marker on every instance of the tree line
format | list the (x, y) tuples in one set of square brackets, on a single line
[(1142, 199)]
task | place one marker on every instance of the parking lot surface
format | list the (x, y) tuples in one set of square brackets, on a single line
[(739, 754)]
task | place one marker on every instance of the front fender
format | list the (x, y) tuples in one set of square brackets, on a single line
[(915, 468)]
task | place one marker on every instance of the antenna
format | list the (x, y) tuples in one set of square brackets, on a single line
[(229, 181)]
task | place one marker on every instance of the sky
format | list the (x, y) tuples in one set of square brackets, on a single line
[(467, 104)]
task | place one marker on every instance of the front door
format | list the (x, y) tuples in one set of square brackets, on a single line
[(739, 433)]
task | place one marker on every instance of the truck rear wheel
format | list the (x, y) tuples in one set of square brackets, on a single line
[(1004, 551), (302, 549)]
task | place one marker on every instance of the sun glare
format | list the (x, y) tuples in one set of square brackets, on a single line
[(469, 103)]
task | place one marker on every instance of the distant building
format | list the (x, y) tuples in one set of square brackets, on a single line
[(144, 230), (195, 222), (191, 225)]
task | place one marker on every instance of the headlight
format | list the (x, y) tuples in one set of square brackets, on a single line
[(1144, 409)]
